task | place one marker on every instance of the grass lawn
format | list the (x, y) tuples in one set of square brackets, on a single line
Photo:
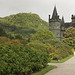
[(45, 70), (63, 60)]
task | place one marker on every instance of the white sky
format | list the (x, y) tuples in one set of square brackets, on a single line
[(41, 7)]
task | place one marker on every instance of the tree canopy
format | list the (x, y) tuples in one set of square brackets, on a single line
[(70, 32), (42, 35), (69, 37), (23, 24)]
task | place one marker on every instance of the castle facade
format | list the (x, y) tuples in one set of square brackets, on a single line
[(58, 26)]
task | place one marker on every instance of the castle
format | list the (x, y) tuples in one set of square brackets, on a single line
[(58, 26)]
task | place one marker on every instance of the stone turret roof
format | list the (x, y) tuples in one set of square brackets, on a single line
[(55, 14)]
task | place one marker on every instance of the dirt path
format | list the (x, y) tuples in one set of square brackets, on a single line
[(66, 68)]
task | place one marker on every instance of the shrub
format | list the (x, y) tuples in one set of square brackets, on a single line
[(18, 60), (41, 47), (4, 39), (60, 49)]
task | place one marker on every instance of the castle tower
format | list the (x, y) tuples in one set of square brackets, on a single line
[(55, 24), (62, 28)]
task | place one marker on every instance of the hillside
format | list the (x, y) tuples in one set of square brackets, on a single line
[(23, 24), (24, 55)]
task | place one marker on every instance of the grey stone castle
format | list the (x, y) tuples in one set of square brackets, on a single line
[(58, 26)]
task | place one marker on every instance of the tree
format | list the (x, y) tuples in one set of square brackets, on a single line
[(2, 32), (69, 37), (42, 35), (70, 32), (17, 36)]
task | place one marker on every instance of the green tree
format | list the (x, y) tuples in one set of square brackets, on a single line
[(70, 32), (69, 37), (23, 24), (42, 35), (2, 32), (17, 36)]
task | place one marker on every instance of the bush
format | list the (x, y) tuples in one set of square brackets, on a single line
[(41, 48), (60, 49), (18, 60), (4, 39)]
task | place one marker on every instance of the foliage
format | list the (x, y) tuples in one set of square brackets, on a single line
[(21, 54), (60, 50), (2, 32), (63, 60), (70, 41), (39, 47), (6, 41), (42, 35), (23, 24), (17, 36), (18, 60), (44, 70), (69, 37), (70, 32)]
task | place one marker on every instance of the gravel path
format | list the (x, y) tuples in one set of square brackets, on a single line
[(66, 68)]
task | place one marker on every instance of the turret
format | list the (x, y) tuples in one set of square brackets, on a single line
[(73, 18), (55, 24), (62, 28)]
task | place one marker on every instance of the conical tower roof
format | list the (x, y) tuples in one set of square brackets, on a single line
[(55, 14)]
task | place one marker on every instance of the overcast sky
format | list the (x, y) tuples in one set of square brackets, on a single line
[(41, 7)]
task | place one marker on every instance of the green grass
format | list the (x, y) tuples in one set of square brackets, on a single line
[(63, 60), (45, 70)]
